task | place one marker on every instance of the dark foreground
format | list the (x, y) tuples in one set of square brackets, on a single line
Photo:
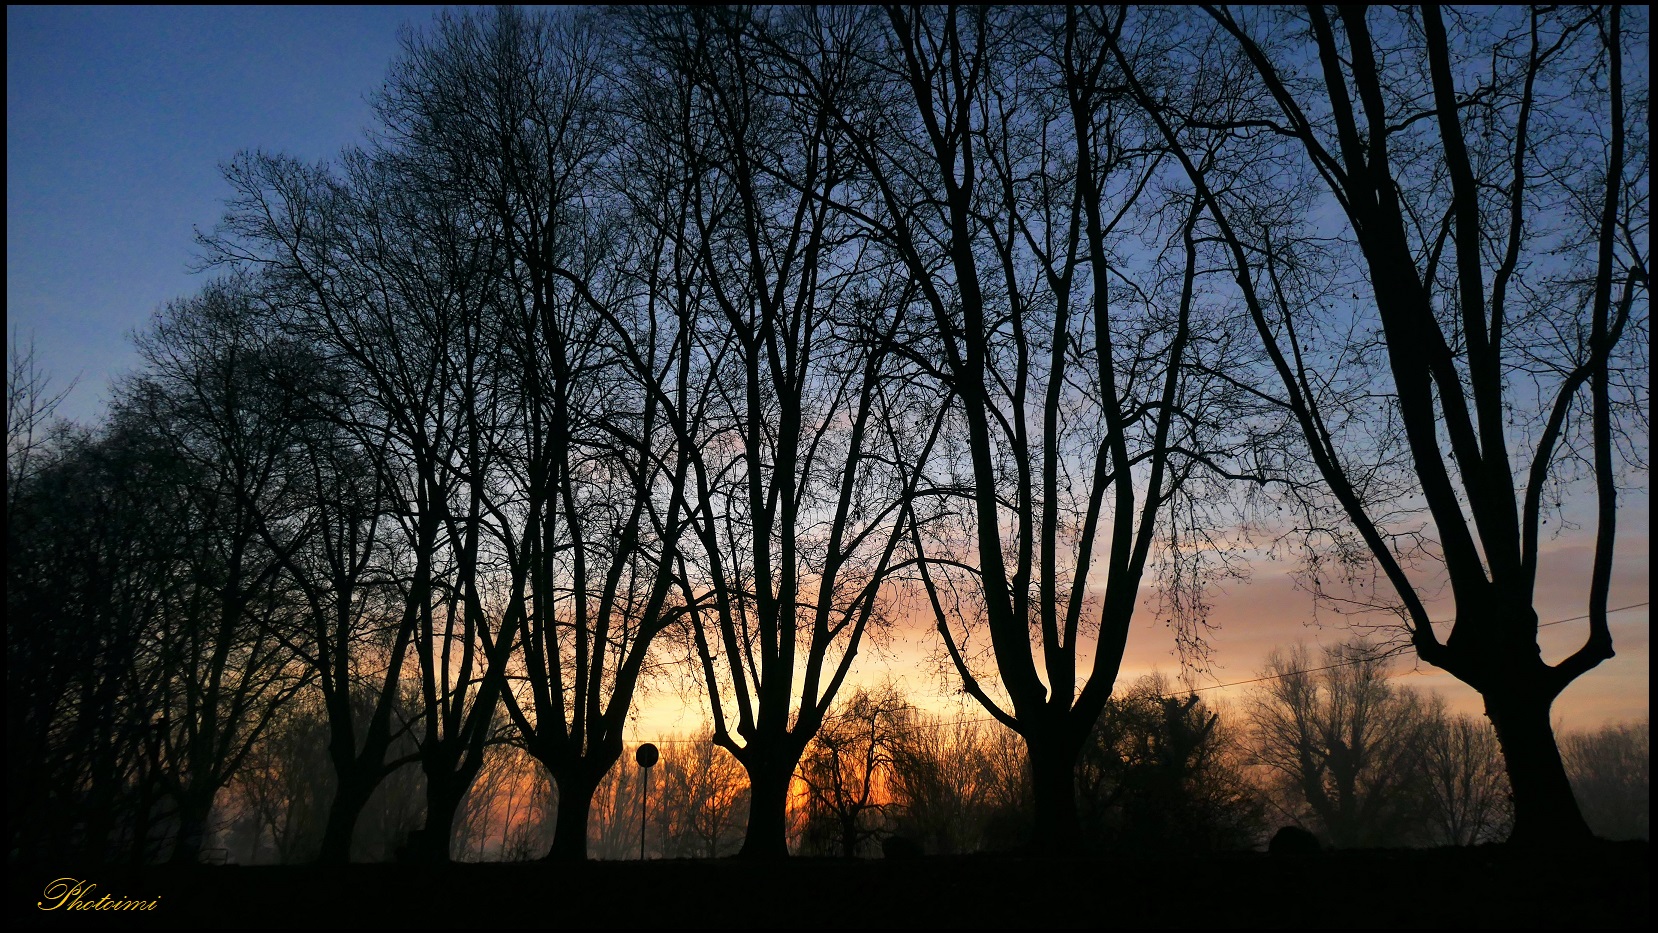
[(1607, 886)]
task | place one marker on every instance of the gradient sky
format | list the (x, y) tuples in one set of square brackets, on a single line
[(116, 122), (118, 118)]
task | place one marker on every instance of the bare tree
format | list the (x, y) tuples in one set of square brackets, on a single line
[(504, 113), (1346, 741), (355, 638), (846, 771), (41, 661), (383, 274), (1611, 772), (613, 827), (31, 418), (281, 789), (1490, 174), (796, 504), (89, 560), (942, 781), (1056, 270), (508, 807), (1462, 778), (216, 393), (702, 798)]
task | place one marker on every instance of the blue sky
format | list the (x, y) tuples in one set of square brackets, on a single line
[(118, 118), (116, 122)]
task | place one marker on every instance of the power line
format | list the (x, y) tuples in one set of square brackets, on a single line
[(1582, 617), (1254, 680), (1355, 661)]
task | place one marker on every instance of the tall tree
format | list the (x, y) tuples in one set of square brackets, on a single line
[(89, 560), (216, 393), (352, 637), (382, 273), (1057, 271), (295, 223), (1490, 176), (355, 635), (506, 112), (794, 493)]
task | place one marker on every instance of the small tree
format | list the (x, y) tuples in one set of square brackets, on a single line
[(282, 789), (1611, 773), (1160, 773), (1344, 742), (703, 797), (943, 778), (846, 771), (1462, 780)]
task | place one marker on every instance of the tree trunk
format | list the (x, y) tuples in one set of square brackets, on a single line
[(347, 807), (1053, 763), (1546, 814), (193, 813), (575, 807), (768, 805), (100, 823), (430, 843), (849, 835)]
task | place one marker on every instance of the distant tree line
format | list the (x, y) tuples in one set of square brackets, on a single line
[(1374, 764), (702, 346)]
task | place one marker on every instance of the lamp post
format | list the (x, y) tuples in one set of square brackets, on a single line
[(646, 756)]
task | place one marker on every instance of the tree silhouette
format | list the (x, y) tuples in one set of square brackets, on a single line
[(846, 771), (382, 275), (1490, 179), (1162, 772), (795, 499), (88, 560), (1348, 742), (505, 112), (217, 397), (703, 796), (943, 779), (1057, 274), (707, 346), (1462, 779), (1611, 772)]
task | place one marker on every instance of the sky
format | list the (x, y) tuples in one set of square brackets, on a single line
[(117, 120)]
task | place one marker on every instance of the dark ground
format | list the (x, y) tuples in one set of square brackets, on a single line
[(1607, 886)]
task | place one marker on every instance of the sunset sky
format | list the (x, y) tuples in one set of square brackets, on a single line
[(118, 118)]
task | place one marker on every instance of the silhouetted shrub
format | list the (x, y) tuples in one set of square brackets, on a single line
[(1293, 840), (900, 847)]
